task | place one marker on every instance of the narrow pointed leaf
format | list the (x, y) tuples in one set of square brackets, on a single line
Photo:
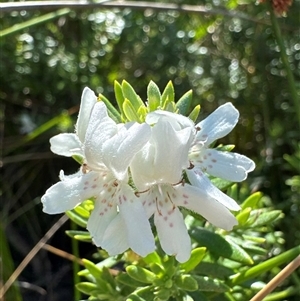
[(119, 96), (112, 111), (154, 96), (207, 284), (77, 219), (252, 200), (196, 257), (168, 94), (140, 274), (130, 112), (195, 113), (184, 103), (131, 95)]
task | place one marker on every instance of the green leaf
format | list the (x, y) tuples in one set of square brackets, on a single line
[(152, 258), (87, 288), (144, 294), (112, 112), (186, 282), (266, 265), (119, 97), (168, 94), (154, 96), (214, 270), (243, 216), (140, 274), (252, 200), (82, 212), (266, 218), (79, 235), (130, 112), (220, 183), (207, 284), (217, 245), (92, 268), (195, 113), (108, 262), (76, 218), (130, 94), (184, 103), (196, 257), (127, 280), (108, 278)]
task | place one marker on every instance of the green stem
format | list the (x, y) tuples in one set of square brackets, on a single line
[(33, 22), (76, 267), (289, 74), (266, 266)]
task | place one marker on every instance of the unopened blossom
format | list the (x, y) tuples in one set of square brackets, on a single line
[(118, 220), (157, 170)]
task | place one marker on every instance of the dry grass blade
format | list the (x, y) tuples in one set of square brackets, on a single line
[(288, 270), (31, 254)]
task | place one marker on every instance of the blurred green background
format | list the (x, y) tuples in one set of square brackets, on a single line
[(229, 53)]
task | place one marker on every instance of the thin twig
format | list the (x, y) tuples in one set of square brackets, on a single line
[(279, 278), (31, 254), (62, 254), (138, 5)]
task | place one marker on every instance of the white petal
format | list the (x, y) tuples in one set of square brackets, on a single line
[(198, 200), (208, 190), (171, 151), (100, 129), (66, 195), (88, 100), (218, 124), (119, 150), (135, 222), (178, 121), (226, 165), (173, 235), (102, 215), (66, 145)]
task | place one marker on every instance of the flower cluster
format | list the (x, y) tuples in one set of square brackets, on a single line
[(136, 170)]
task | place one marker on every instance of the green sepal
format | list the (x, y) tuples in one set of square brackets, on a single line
[(186, 282), (79, 235), (184, 103), (217, 245), (225, 148), (196, 257), (130, 112), (168, 94), (79, 159), (112, 111), (265, 218), (130, 94), (125, 279), (140, 274), (77, 219), (252, 200), (207, 284), (154, 96), (195, 113), (119, 98)]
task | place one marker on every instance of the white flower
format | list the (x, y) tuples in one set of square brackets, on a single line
[(69, 144), (226, 165), (157, 172), (118, 221)]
